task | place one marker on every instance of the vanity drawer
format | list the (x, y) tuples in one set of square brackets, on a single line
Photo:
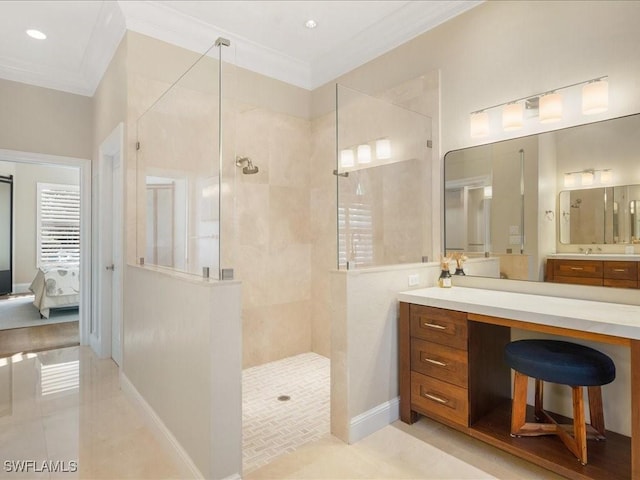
[(439, 361), (621, 270), (596, 281), (438, 325), (435, 397), (578, 268)]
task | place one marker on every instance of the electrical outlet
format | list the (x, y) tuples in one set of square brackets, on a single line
[(414, 280)]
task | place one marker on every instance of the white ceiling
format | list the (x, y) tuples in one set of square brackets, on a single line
[(268, 37)]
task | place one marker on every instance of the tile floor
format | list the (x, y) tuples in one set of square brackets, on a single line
[(66, 406), (271, 427), (422, 451)]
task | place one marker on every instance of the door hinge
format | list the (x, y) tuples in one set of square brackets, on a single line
[(137, 145), (429, 144)]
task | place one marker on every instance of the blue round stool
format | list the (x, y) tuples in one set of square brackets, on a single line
[(564, 363)]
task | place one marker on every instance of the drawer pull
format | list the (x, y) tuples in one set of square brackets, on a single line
[(435, 362), (619, 269), (577, 268), (436, 398), (434, 325)]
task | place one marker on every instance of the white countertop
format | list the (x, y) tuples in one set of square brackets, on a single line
[(596, 256), (614, 319)]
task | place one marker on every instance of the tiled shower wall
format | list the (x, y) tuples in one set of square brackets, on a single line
[(269, 243)]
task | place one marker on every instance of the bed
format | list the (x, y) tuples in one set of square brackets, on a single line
[(56, 287)]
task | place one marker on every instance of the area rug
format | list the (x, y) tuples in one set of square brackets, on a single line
[(19, 312)]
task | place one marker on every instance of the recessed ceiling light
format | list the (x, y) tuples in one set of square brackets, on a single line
[(310, 24), (37, 34)]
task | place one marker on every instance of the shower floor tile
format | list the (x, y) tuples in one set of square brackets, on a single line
[(272, 427)]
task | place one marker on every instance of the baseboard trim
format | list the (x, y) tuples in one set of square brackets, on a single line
[(374, 419), (186, 467)]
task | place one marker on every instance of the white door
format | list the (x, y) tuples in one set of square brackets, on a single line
[(106, 332), (116, 254)]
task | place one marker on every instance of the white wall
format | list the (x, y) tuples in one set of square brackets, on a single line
[(42, 120)]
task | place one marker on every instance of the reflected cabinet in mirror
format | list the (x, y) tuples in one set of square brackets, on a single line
[(559, 206), (603, 215)]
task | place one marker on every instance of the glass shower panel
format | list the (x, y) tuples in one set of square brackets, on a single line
[(178, 173), (383, 176)]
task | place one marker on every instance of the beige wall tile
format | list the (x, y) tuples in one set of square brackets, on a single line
[(288, 217), (274, 332)]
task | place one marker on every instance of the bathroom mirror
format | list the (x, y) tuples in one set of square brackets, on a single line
[(599, 215), (534, 188)]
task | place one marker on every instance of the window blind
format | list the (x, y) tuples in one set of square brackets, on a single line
[(58, 224), (355, 237)]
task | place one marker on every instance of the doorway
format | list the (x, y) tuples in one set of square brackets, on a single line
[(83, 259), (106, 325)]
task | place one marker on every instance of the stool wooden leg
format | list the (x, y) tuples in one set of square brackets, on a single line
[(539, 401), (579, 426), (519, 403), (595, 410)]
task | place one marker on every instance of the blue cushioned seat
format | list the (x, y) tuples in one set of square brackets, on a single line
[(560, 362)]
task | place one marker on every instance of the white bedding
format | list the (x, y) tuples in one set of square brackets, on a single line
[(56, 286)]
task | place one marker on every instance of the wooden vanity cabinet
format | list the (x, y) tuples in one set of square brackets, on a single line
[(435, 357), (606, 273), (452, 370)]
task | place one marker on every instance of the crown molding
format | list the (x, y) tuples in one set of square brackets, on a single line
[(412, 20), (164, 23), (45, 77), (106, 37)]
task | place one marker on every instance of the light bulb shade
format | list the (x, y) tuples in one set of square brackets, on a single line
[(595, 97), (512, 116), (550, 108), (587, 178), (479, 124), (347, 158), (606, 176), (383, 149), (569, 180), (364, 153)]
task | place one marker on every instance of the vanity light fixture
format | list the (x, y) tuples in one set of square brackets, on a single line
[(569, 180), (586, 177), (347, 158), (364, 153), (479, 124), (512, 116), (595, 96), (383, 149), (548, 107), (606, 176)]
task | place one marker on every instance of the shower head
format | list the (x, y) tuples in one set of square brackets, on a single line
[(248, 168)]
